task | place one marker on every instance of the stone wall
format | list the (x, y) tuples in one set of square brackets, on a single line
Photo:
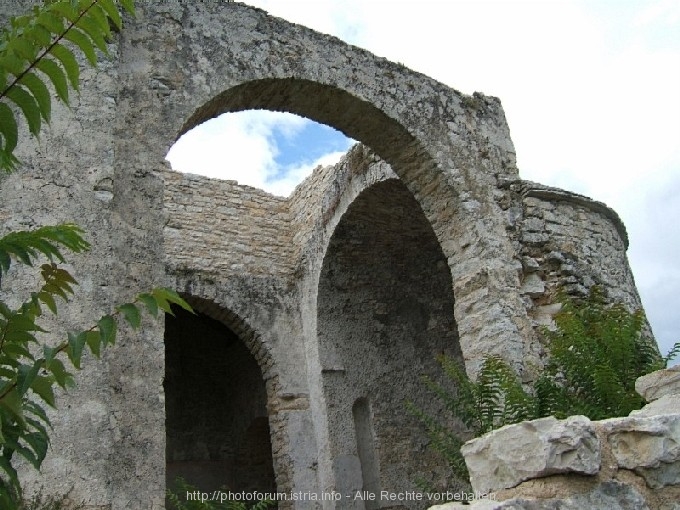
[(219, 226), (631, 462), (565, 242)]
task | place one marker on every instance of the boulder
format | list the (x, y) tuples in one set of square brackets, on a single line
[(512, 454), (648, 445), (657, 384)]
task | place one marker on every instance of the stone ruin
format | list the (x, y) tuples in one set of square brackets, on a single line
[(317, 313)]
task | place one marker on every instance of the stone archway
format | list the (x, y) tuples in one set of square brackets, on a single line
[(178, 63), (217, 424), (385, 304)]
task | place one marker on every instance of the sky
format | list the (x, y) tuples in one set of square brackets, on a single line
[(590, 89)]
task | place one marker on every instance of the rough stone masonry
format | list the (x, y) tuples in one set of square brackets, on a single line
[(318, 313)]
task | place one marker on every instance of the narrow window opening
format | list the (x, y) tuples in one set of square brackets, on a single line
[(370, 472)]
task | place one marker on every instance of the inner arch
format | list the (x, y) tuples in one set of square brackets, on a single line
[(385, 311), (217, 423)]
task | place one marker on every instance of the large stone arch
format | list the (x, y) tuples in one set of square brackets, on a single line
[(227, 303), (184, 63), (194, 61)]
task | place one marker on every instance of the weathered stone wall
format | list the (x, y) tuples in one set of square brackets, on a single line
[(631, 462), (221, 227), (567, 242)]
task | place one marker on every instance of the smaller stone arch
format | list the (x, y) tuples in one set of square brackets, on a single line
[(249, 453)]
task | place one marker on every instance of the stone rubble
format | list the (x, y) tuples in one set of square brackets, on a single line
[(631, 462)]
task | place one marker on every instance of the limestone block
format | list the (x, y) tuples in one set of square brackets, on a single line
[(668, 404), (533, 285), (649, 445), (657, 384), (506, 457), (610, 495)]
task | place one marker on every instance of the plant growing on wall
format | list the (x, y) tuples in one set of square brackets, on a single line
[(595, 353), (495, 399), (36, 53)]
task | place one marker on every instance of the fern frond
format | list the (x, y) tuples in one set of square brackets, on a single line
[(672, 354)]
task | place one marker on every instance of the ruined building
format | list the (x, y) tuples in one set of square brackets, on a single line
[(318, 313)]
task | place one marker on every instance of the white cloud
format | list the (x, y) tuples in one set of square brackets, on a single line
[(242, 147), (295, 174), (237, 146)]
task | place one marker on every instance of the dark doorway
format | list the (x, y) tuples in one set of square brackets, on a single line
[(216, 424)]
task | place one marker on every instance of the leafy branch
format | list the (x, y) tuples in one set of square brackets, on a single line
[(33, 48), (26, 380)]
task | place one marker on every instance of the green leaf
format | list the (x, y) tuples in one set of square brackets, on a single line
[(90, 27), (56, 76), (150, 303), (26, 375), (6, 466), (68, 62), (8, 127), (112, 12), (164, 296), (31, 407), (24, 100), (83, 42), (40, 35), (131, 314), (65, 10), (42, 386), (47, 298), (22, 47), (94, 342), (25, 245), (12, 402), (62, 377), (129, 6), (38, 442), (12, 64), (107, 330), (49, 353), (51, 22), (99, 16), (40, 93), (76, 343)]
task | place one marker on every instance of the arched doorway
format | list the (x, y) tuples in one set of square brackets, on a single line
[(385, 311), (217, 428)]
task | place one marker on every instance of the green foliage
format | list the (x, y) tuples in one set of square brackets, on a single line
[(38, 48), (595, 354), (185, 496), (30, 369), (495, 399)]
